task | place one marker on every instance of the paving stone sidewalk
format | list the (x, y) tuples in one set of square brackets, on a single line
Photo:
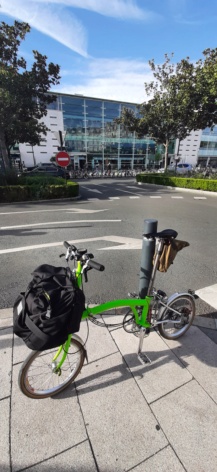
[(119, 416)]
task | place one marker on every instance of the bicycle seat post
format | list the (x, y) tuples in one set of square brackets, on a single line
[(160, 245), (148, 250)]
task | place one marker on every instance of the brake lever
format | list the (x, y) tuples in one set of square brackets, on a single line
[(85, 275)]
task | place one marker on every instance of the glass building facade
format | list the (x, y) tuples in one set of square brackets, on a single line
[(93, 137), (208, 147)]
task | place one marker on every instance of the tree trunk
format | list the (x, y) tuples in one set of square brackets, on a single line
[(166, 154), (3, 150)]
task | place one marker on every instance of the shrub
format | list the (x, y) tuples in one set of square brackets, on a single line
[(10, 177), (42, 180), (20, 193), (181, 182)]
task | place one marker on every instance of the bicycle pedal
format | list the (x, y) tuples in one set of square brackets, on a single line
[(143, 358)]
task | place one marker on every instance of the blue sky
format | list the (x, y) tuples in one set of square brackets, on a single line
[(103, 46)]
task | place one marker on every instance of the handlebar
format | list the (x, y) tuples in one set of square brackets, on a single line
[(69, 246), (96, 265), (81, 255)]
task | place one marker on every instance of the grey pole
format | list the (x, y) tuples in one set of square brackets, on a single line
[(148, 250)]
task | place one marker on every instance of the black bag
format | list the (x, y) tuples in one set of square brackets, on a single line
[(50, 309)]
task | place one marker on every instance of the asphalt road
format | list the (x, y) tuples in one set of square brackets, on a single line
[(108, 210)]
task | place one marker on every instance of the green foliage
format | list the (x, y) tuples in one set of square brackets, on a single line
[(182, 99), (41, 180), (181, 182), (10, 177), (20, 193), (23, 93)]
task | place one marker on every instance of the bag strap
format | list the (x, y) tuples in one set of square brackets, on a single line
[(70, 288), (29, 323), (35, 330)]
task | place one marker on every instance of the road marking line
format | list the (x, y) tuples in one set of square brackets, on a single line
[(129, 186), (92, 190), (153, 196), (2, 228), (93, 199), (134, 196), (200, 198), (209, 295), (87, 211), (125, 191), (124, 243), (114, 198), (127, 243), (176, 197), (72, 210)]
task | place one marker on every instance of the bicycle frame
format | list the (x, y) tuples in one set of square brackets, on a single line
[(139, 307)]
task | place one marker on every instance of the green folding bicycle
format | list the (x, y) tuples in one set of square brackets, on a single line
[(46, 373)]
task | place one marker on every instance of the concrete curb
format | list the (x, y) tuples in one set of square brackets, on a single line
[(179, 189), (43, 201)]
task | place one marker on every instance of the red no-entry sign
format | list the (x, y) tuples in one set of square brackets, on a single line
[(63, 159)]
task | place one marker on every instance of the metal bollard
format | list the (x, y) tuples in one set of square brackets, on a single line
[(148, 250)]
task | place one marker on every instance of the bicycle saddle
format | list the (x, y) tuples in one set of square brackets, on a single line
[(165, 234)]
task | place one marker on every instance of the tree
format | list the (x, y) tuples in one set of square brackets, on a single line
[(23, 93), (206, 88), (182, 98)]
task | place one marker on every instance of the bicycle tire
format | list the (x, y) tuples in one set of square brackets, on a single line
[(31, 380), (185, 305)]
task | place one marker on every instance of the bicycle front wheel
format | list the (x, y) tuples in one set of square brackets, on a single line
[(37, 376), (177, 322)]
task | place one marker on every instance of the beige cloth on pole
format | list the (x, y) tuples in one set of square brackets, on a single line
[(169, 253)]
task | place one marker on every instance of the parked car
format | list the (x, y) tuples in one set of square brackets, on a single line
[(181, 168), (51, 170)]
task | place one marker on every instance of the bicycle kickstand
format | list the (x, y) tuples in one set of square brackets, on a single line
[(143, 358)]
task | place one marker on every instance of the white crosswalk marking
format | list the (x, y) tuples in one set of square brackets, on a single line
[(209, 295), (92, 190), (134, 197), (200, 198), (155, 196), (114, 198), (176, 197), (132, 186)]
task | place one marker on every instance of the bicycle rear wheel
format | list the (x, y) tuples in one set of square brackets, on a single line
[(179, 321), (37, 378)]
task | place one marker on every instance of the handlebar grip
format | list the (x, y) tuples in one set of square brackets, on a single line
[(67, 246), (95, 265)]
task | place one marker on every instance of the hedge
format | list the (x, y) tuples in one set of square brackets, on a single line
[(21, 193), (181, 182)]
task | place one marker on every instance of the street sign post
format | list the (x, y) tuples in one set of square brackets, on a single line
[(63, 159)]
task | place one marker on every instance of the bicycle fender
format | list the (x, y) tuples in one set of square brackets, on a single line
[(77, 338), (171, 299)]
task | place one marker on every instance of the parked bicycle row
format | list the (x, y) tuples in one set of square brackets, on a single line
[(80, 174)]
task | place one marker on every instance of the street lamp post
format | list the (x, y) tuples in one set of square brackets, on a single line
[(33, 155), (103, 156), (146, 155)]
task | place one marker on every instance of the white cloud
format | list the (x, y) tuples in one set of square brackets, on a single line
[(114, 8), (113, 79), (54, 17), (65, 29)]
